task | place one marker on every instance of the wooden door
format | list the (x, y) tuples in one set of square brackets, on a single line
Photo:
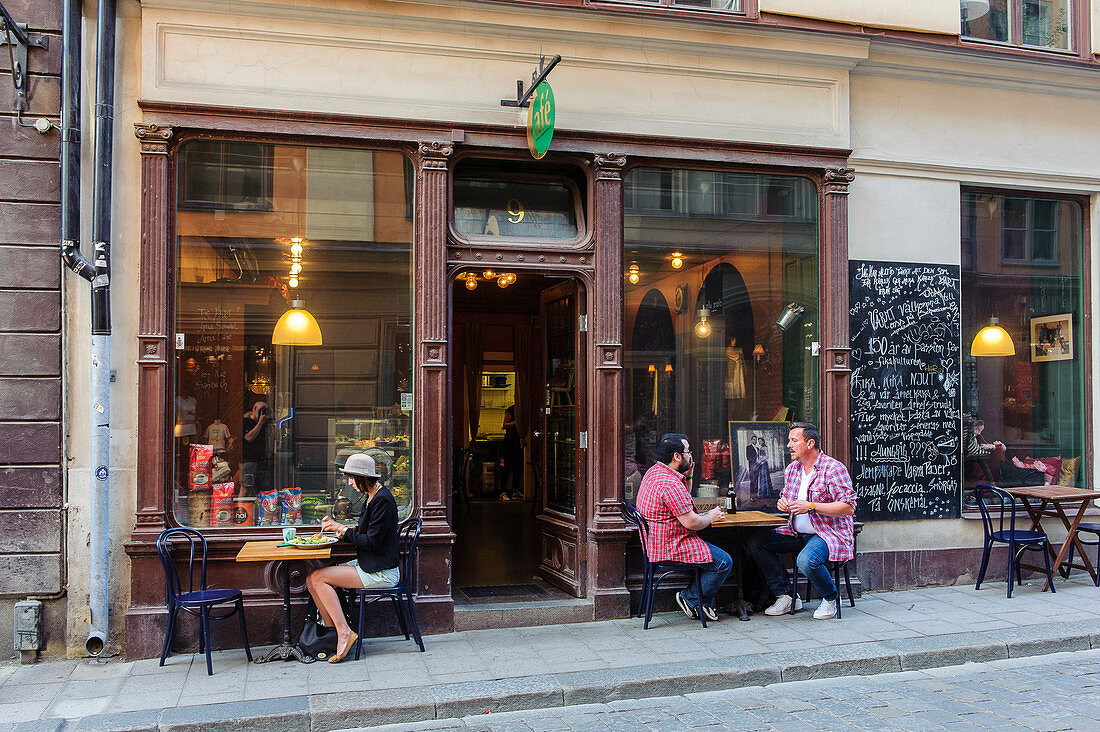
[(563, 420)]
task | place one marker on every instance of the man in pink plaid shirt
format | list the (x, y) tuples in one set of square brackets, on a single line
[(819, 497), (664, 499)]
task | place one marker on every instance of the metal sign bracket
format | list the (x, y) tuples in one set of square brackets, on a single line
[(15, 36), (523, 98)]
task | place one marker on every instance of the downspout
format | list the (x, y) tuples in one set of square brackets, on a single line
[(98, 272)]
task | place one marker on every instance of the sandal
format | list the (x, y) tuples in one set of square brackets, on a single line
[(339, 655)]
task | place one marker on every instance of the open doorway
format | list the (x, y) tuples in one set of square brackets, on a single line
[(517, 405)]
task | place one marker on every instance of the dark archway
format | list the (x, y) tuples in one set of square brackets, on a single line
[(726, 298), (653, 343)]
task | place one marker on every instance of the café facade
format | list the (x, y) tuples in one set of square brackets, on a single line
[(333, 237)]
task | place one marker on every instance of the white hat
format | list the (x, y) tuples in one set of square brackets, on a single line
[(360, 464)]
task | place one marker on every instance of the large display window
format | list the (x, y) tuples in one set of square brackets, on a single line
[(292, 331), (1023, 339), (721, 322)]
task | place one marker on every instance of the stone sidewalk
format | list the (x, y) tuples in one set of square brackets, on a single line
[(561, 665)]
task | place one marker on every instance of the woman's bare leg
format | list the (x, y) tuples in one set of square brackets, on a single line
[(322, 584)]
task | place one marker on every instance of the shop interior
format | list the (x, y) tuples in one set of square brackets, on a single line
[(501, 378)]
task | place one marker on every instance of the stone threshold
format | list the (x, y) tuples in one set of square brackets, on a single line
[(334, 711)]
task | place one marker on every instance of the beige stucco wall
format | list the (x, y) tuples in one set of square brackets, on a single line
[(928, 16)]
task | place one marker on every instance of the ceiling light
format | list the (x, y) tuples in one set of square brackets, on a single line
[(677, 260), (702, 328), (992, 340), (296, 327)]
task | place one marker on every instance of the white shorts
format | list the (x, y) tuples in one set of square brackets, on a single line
[(370, 580)]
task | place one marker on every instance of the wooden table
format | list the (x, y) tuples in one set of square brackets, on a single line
[(1052, 502), (737, 522), (270, 551)]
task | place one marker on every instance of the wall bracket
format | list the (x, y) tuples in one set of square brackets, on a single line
[(15, 37)]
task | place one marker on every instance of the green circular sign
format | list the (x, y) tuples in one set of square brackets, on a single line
[(540, 120)]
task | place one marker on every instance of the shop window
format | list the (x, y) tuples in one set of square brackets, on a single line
[(264, 415), (706, 278), (1024, 419), (729, 6), (1032, 23), (226, 176)]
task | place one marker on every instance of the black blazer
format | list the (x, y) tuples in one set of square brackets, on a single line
[(375, 539)]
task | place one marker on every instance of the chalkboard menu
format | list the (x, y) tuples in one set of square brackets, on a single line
[(905, 391)]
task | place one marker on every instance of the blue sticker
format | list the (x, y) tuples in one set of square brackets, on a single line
[(101, 472)]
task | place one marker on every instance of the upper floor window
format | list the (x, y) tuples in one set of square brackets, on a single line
[(720, 195), (226, 175), (1034, 23)]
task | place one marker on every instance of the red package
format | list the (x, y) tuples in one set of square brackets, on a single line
[(712, 450), (222, 507), (199, 474)]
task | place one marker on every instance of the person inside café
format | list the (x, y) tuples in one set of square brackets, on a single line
[(376, 551), (977, 452), (664, 499), (820, 501)]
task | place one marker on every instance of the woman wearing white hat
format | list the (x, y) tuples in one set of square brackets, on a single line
[(375, 542)]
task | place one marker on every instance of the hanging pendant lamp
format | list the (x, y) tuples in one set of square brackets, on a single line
[(992, 340), (296, 327)]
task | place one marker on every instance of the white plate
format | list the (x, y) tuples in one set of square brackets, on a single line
[(329, 541)]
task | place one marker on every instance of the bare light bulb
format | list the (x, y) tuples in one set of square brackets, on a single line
[(296, 249), (677, 260), (471, 281), (293, 282), (295, 268)]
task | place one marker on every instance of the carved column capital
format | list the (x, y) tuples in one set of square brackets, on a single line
[(609, 166), (154, 138), (433, 155), (837, 180)]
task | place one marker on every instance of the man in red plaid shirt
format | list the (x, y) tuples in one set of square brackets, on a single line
[(819, 497), (664, 499)]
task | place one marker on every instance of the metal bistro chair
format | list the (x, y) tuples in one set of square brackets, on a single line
[(836, 568), (400, 594), (1088, 528), (1018, 540), (196, 602), (653, 573)]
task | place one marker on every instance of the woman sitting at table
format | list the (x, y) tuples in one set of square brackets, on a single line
[(375, 541)]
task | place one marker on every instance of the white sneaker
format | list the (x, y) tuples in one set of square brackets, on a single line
[(826, 610), (781, 606), (710, 613)]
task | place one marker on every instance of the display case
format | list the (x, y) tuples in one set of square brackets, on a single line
[(384, 439)]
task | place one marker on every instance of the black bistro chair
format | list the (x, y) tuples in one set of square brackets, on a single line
[(198, 602), (992, 499), (1087, 528), (836, 568), (400, 594), (653, 573)]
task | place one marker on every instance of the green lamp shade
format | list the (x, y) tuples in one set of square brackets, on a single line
[(992, 340), (296, 327)]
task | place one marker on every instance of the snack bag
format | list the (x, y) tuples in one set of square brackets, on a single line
[(222, 508), (199, 474), (712, 450), (267, 508), (290, 506)]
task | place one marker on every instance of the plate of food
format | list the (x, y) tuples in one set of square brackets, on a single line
[(316, 541)]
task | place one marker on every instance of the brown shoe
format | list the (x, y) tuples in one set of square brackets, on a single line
[(339, 655)]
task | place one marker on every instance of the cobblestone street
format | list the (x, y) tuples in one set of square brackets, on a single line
[(1049, 693)]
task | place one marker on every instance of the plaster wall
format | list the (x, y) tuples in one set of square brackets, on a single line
[(456, 62), (927, 16)]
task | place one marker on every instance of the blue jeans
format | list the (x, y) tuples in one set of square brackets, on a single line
[(767, 547), (714, 574)]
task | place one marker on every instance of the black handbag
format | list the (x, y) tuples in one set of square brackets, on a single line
[(317, 640)]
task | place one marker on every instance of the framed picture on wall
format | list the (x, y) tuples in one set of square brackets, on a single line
[(1052, 338), (758, 457)]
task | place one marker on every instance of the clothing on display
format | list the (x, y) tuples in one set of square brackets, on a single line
[(735, 373)]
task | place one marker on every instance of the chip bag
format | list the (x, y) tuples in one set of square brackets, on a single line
[(290, 506), (267, 508)]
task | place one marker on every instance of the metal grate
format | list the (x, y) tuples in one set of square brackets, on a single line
[(502, 591)]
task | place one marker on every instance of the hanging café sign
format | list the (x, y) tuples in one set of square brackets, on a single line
[(541, 112)]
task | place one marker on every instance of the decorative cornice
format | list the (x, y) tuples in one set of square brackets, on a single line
[(609, 166), (154, 138), (433, 155), (837, 180)]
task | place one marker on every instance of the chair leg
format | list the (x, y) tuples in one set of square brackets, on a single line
[(205, 634), (848, 584), (985, 564), (399, 608), (1096, 566), (699, 594), (359, 626), (1012, 560), (646, 579), (168, 638), (244, 630), (836, 584), (1046, 560), (794, 588), (410, 608), (649, 602)]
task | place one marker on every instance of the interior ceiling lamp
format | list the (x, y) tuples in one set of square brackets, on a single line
[(296, 327), (633, 274), (992, 340), (974, 9), (471, 280), (506, 279), (702, 328), (789, 316), (677, 260)]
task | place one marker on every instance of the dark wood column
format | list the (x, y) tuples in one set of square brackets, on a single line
[(834, 313), (143, 618), (431, 465), (607, 533)]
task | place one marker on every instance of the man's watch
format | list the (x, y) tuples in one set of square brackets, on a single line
[(811, 511)]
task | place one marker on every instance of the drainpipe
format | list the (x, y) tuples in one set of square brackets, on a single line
[(99, 529)]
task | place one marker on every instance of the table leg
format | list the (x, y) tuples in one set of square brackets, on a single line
[(286, 650)]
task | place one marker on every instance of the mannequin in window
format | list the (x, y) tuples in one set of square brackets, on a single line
[(217, 435), (735, 371)]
